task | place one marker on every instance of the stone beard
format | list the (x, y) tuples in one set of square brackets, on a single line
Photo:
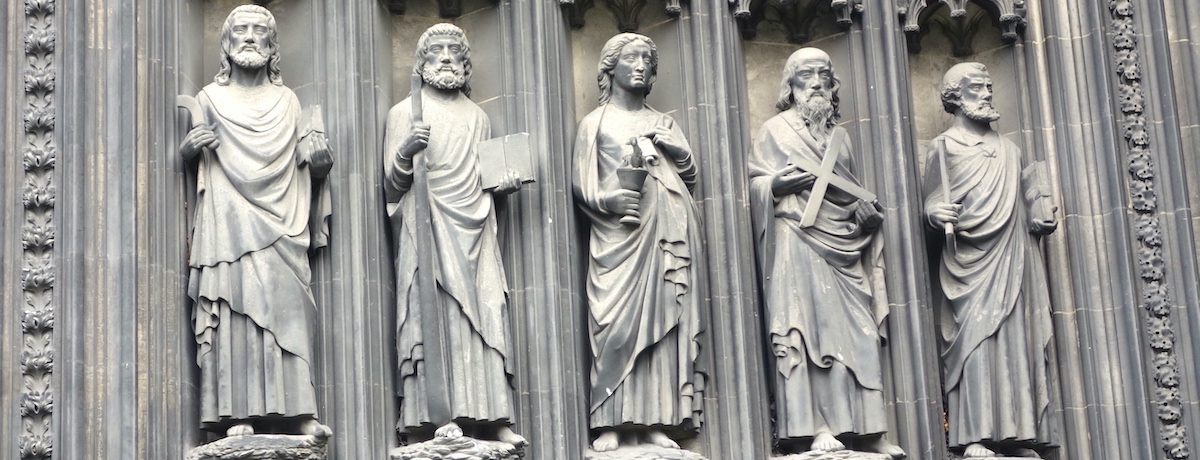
[(259, 212), (996, 325), (823, 285), (471, 291)]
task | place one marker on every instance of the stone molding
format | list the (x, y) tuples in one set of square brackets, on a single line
[(1151, 265), (1010, 14), (39, 155)]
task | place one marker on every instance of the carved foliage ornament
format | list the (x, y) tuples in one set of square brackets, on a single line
[(36, 402), (1150, 263), (797, 16), (1010, 14), (626, 12), (446, 8)]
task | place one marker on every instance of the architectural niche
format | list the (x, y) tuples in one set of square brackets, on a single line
[(37, 234), (446, 8), (960, 28), (797, 17), (626, 12)]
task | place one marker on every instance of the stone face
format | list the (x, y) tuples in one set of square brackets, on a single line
[(262, 447)]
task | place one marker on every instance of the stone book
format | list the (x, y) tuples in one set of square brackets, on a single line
[(502, 154)]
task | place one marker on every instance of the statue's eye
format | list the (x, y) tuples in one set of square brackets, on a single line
[(456, 48), (239, 29)]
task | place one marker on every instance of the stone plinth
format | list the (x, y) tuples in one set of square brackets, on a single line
[(262, 447), (643, 452), (839, 455), (458, 448)]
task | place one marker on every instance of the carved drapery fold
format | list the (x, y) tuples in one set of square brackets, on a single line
[(36, 403), (1151, 265), (1010, 14)]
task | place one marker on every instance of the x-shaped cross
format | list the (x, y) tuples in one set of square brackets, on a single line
[(826, 178)]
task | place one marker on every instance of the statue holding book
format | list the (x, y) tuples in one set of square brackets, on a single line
[(454, 366)]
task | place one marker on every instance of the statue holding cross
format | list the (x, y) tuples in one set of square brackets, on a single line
[(821, 269)]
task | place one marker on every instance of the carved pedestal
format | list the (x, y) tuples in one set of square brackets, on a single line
[(262, 447), (839, 455), (644, 452), (458, 448)]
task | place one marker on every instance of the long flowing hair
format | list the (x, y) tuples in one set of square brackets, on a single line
[(273, 74), (787, 97), (448, 30), (608, 62)]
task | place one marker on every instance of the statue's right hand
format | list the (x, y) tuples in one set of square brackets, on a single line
[(623, 202), (790, 180), (417, 140), (941, 214), (196, 140)]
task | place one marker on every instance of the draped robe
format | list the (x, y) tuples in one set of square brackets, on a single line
[(642, 296), (996, 325), (823, 290), (471, 286), (257, 216)]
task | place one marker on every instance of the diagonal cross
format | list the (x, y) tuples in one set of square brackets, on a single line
[(826, 178)]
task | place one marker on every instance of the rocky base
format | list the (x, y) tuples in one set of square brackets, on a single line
[(262, 447), (839, 455), (643, 452), (458, 448)]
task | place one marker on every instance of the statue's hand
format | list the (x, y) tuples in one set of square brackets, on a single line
[(622, 202), (509, 184), (869, 215), (791, 180), (940, 214), (320, 159), (664, 138), (417, 140), (1046, 225), (196, 140)]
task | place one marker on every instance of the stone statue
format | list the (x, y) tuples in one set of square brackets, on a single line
[(996, 325), (821, 267), (259, 210), (451, 293), (634, 175)]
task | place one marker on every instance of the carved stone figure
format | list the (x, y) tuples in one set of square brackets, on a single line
[(451, 293), (632, 161), (821, 267), (996, 325), (259, 210)]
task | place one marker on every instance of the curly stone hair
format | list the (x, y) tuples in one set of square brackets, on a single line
[(608, 62), (447, 30), (273, 74)]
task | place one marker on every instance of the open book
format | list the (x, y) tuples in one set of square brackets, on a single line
[(499, 155)]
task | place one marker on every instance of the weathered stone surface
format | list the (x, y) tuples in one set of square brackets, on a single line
[(262, 447), (644, 452), (839, 455), (458, 448)]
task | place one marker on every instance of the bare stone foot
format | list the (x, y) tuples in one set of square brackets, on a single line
[(315, 428), (506, 434), (241, 429), (608, 441), (977, 450), (660, 439), (826, 442), (449, 430), (1026, 453), (883, 446)]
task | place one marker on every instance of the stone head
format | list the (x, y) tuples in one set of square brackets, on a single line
[(628, 61), (967, 90), (443, 58), (810, 84), (249, 41)]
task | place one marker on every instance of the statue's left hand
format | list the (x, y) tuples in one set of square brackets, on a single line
[(665, 139), (510, 183), (320, 159), (869, 215)]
